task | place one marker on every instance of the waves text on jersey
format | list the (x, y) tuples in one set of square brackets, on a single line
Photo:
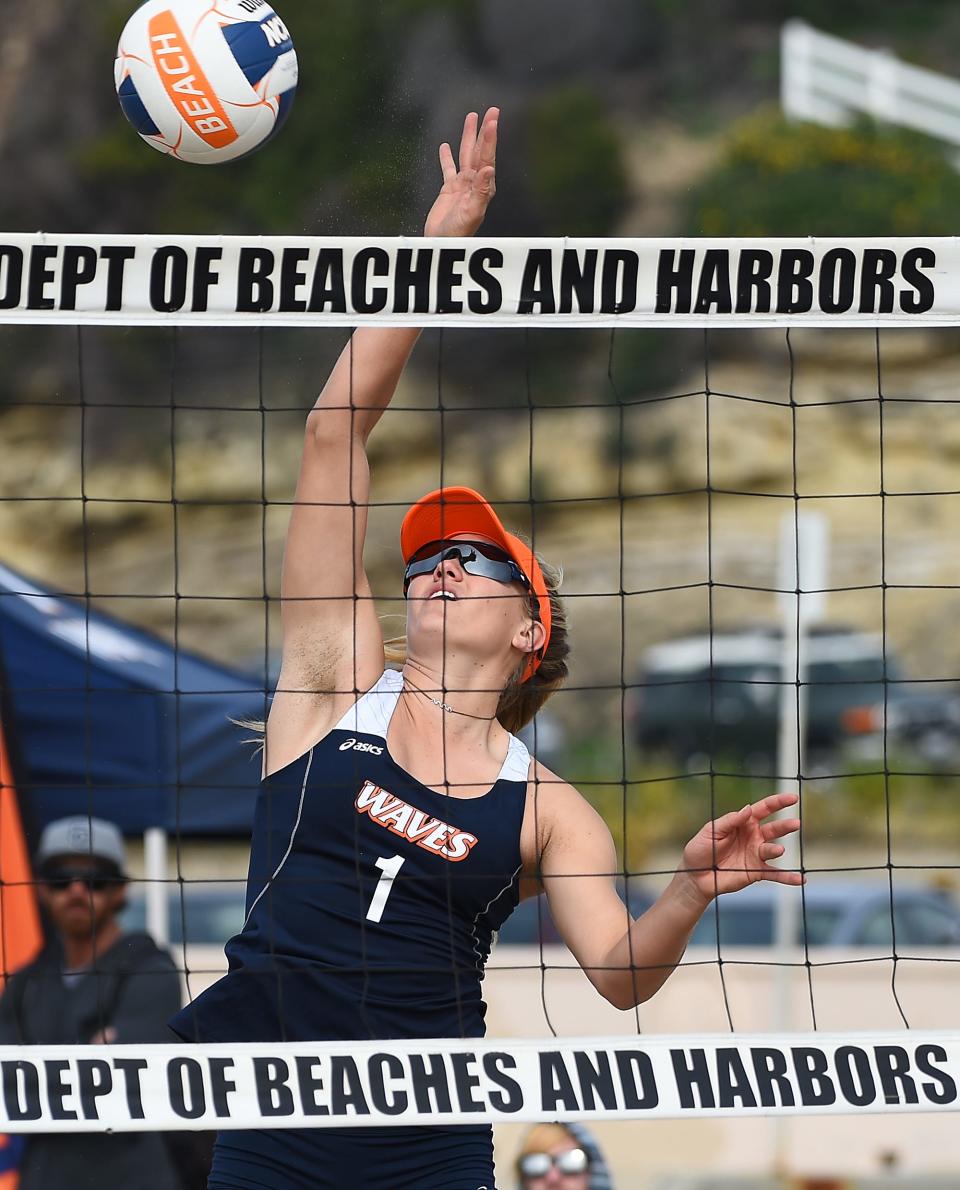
[(400, 818)]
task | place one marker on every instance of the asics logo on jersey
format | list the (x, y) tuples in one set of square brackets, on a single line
[(360, 746), (402, 819)]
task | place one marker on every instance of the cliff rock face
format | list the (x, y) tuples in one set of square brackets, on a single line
[(675, 502)]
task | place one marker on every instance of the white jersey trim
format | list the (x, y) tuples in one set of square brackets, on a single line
[(481, 960), (372, 712), (293, 835)]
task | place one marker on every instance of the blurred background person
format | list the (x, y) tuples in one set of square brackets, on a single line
[(91, 984), (561, 1157)]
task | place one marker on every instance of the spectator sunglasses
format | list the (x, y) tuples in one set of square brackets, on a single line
[(62, 878), (538, 1165)]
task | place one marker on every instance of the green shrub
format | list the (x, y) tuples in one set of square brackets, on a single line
[(779, 178), (578, 181)]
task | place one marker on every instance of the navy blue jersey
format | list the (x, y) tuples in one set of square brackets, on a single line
[(371, 898), (425, 1158)]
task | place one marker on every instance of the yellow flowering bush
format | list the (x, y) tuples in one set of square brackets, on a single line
[(783, 178)]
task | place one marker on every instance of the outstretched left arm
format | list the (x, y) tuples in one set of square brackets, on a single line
[(626, 960)]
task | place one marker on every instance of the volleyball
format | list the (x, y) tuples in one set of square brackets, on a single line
[(206, 81)]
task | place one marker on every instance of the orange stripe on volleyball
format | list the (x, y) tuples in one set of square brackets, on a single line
[(186, 84)]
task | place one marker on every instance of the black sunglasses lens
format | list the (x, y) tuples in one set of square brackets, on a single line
[(424, 561), (463, 549), (493, 552), (475, 557), (94, 882), (433, 549)]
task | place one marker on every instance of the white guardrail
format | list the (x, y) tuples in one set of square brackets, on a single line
[(828, 80)]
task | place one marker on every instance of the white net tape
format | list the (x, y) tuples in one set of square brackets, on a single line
[(138, 1088), (286, 281)]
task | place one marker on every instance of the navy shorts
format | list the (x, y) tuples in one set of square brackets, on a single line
[(441, 1158)]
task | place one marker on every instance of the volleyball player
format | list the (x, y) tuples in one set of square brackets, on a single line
[(401, 819)]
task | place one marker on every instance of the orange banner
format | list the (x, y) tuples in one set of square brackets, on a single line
[(21, 936)]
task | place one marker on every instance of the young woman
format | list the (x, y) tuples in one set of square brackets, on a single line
[(400, 819), (561, 1157)]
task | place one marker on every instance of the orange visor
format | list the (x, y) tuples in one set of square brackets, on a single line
[(449, 511)]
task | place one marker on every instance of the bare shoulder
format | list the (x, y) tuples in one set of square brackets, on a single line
[(560, 814)]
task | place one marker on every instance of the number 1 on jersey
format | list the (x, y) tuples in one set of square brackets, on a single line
[(389, 867)]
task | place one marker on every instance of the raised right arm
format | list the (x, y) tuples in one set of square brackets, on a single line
[(332, 644)]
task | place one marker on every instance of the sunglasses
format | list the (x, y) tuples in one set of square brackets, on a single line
[(93, 881), (538, 1165), (476, 557)]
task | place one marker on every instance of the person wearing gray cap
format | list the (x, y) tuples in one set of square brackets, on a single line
[(93, 984)]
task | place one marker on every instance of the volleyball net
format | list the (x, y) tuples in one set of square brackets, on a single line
[(743, 453)]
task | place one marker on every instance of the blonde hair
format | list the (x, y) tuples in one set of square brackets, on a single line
[(542, 1138)]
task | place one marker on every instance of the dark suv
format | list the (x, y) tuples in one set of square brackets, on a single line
[(696, 697)]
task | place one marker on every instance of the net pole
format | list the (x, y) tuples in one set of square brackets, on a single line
[(801, 580), (155, 893), (789, 752)]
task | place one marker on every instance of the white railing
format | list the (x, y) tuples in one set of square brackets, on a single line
[(825, 79)]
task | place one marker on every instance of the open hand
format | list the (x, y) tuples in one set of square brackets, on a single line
[(468, 186), (735, 850)]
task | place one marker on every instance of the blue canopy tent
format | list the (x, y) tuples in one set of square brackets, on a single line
[(109, 720)]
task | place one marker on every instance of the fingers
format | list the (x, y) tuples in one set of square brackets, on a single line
[(727, 823), (484, 186), (477, 153), (478, 149), (468, 141), (782, 876), (768, 851), (780, 827), (762, 809), (447, 165), (487, 141), (770, 805)]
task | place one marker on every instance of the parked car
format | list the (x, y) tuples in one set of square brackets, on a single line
[(834, 913), (719, 696), (925, 717)]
